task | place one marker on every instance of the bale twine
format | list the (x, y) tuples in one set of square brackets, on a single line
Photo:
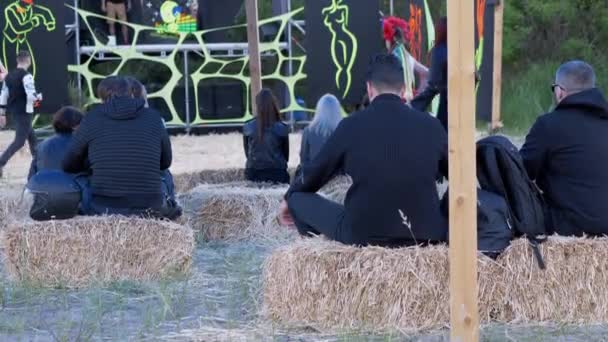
[(85, 251), (330, 286), (235, 213), (573, 289)]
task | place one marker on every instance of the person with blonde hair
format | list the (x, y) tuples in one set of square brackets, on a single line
[(328, 115)]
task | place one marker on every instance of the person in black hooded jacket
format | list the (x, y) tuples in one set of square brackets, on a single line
[(566, 152), (124, 146), (266, 142)]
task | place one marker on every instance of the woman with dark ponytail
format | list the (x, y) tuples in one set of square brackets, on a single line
[(438, 81), (266, 142)]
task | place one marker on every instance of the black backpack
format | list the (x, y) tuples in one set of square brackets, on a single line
[(56, 196), (494, 233), (500, 170)]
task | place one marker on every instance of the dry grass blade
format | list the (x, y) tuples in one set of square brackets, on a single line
[(84, 251)]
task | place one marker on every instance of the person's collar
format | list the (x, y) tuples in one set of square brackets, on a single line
[(387, 97)]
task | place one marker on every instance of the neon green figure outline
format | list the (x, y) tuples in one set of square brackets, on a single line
[(21, 17), (343, 49)]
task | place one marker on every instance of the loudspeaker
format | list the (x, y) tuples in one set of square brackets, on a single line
[(221, 101)]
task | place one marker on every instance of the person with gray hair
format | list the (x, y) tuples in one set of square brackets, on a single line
[(566, 153), (328, 115)]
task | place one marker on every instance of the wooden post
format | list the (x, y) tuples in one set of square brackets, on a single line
[(253, 39), (464, 315), (499, 11)]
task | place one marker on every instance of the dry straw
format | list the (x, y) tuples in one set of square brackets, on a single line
[(188, 181), (333, 287), (81, 252), (330, 286), (243, 210), (573, 289), (234, 213)]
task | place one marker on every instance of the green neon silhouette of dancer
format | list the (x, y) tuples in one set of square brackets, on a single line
[(343, 43), (21, 17)]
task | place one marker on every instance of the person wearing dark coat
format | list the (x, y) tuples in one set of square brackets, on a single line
[(328, 115), (266, 143), (123, 146), (393, 154), (51, 152), (566, 153), (438, 80)]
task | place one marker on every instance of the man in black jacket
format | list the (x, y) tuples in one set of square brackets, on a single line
[(124, 146), (566, 153), (393, 154)]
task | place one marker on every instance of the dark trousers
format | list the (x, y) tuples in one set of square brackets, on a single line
[(23, 132), (315, 215), (267, 176)]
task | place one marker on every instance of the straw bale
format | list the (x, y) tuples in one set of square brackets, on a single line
[(85, 251), (573, 289), (235, 213), (188, 181), (330, 286)]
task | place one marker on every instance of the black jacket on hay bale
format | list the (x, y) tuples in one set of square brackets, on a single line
[(566, 153), (56, 196), (126, 146)]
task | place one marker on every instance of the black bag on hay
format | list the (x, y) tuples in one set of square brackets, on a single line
[(494, 232), (56, 196), (500, 170)]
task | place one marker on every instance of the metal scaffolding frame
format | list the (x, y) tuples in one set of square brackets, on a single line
[(216, 49)]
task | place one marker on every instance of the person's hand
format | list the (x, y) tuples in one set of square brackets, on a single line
[(103, 7), (285, 218), (2, 119)]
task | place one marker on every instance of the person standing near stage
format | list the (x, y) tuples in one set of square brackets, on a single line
[(117, 9), (18, 97), (395, 34), (438, 82)]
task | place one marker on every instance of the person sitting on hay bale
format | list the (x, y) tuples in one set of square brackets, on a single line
[(266, 142), (139, 91), (123, 146), (51, 152), (328, 115), (393, 200), (567, 154)]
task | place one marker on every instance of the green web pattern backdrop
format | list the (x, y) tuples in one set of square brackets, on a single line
[(212, 68)]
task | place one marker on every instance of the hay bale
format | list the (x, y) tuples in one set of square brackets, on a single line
[(235, 213), (330, 286), (573, 289), (84, 251), (188, 181)]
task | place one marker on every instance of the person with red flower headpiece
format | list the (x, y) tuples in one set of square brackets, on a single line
[(396, 33)]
